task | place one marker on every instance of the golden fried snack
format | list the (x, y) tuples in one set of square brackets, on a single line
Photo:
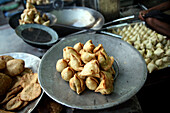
[(15, 67), (61, 64), (69, 50), (91, 83), (86, 56), (98, 49), (28, 78), (14, 103), (26, 71), (31, 15), (30, 92), (6, 58), (91, 69), (25, 103), (75, 62), (5, 83), (105, 61), (11, 94), (3, 111), (67, 73), (78, 46), (2, 64), (77, 84), (89, 46), (106, 85)]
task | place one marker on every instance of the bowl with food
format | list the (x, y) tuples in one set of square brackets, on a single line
[(20, 90), (80, 71)]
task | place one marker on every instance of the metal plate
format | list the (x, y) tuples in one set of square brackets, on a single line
[(132, 74), (79, 17), (31, 62)]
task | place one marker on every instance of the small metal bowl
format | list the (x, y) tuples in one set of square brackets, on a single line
[(37, 35)]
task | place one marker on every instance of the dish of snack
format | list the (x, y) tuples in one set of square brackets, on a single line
[(20, 90), (87, 65), (154, 47), (131, 75), (38, 2), (30, 15)]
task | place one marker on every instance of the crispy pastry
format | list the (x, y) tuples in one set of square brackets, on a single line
[(67, 73), (15, 67), (2, 64), (61, 64), (69, 50), (5, 83), (97, 49), (91, 69), (75, 63), (11, 94), (91, 83), (14, 103), (6, 58), (78, 46), (86, 56), (105, 61), (89, 46), (77, 84), (30, 92), (106, 85)]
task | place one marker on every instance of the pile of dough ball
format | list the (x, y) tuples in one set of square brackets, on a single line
[(154, 47), (30, 15), (38, 2), (85, 65)]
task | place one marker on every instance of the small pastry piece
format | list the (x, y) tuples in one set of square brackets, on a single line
[(79, 74), (105, 61), (91, 69), (98, 49), (78, 46), (30, 92), (69, 50), (167, 52), (159, 62), (106, 85), (86, 57), (67, 73), (61, 64), (2, 64), (75, 63), (158, 52), (46, 23), (77, 84), (15, 67), (5, 83), (14, 103), (166, 59), (89, 46), (151, 67), (6, 58), (91, 83)]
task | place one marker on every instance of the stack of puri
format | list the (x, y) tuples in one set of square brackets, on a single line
[(18, 84)]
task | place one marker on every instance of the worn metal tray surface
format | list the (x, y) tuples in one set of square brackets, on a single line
[(132, 74), (31, 62)]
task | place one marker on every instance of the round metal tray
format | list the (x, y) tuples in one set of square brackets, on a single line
[(131, 77)]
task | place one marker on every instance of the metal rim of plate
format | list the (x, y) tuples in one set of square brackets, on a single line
[(20, 55), (126, 85), (50, 31)]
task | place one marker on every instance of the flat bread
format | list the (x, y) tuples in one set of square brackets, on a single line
[(30, 92)]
